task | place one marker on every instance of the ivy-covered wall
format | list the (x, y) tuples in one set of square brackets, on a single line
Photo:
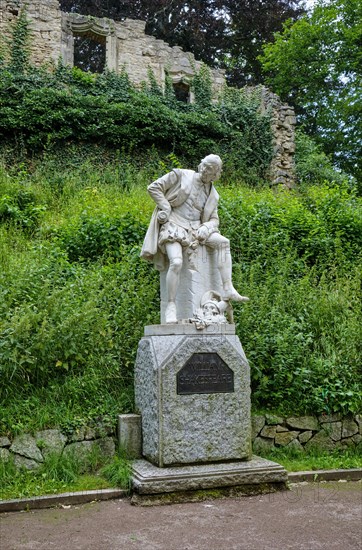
[(129, 49), (45, 21)]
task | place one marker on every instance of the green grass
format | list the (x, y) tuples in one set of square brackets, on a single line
[(26, 486), (295, 460), (63, 474)]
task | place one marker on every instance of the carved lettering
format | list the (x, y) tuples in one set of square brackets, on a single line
[(205, 373)]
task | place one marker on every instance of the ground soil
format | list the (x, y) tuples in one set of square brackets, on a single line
[(310, 516)]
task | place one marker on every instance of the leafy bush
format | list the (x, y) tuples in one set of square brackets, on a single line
[(301, 266), (97, 236), (74, 295), (41, 110), (312, 165), (19, 205)]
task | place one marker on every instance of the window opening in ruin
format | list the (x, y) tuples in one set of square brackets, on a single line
[(90, 52), (182, 91)]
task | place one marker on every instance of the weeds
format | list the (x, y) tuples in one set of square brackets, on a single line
[(58, 475), (118, 473), (295, 460), (64, 472)]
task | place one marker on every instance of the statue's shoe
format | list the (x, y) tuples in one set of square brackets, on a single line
[(170, 313), (232, 294)]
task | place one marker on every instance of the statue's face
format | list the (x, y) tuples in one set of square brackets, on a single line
[(210, 172), (210, 310)]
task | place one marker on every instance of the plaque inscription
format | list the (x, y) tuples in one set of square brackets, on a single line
[(205, 373)]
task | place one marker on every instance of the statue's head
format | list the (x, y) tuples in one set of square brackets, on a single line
[(210, 168), (210, 309), (212, 306)]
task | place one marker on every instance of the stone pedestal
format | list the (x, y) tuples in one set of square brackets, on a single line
[(192, 389), (199, 274), (193, 392)]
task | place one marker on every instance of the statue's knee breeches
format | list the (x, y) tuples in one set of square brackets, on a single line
[(176, 264), (218, 241)]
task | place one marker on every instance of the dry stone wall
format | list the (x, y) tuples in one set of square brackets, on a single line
[(305, 432), (29, 451), (128, 47), (268, 431)]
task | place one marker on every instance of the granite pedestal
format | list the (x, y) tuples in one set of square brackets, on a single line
[(192, 389), (193, 392)]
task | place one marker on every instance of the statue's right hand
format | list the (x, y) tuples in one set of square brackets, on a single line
[(162, 216)]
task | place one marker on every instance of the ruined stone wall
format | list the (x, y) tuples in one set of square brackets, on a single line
[(127, 46), (283, 121), (45, 27), (138, 51)]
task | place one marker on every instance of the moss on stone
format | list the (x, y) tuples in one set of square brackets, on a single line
[(207, 494)]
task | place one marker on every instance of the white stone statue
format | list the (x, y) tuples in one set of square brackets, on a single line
[(184, 218)]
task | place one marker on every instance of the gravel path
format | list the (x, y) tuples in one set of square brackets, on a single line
[(325, 515)]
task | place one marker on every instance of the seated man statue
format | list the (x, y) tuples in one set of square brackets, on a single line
[(185, 216)]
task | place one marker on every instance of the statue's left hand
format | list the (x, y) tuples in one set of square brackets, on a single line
[(202, 233)]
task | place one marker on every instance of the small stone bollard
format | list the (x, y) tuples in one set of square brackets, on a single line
[(129, 435)]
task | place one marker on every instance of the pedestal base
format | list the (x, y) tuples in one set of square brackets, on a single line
[(255, 476), (193, 392)]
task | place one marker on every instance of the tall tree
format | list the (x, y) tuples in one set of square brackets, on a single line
[(252, 23), (316, 65), (223, 33)]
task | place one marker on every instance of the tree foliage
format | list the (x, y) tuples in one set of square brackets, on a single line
[(315, 64), (253, 24), (223, 33)]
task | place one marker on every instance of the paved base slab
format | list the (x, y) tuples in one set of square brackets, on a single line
[(149, 479)]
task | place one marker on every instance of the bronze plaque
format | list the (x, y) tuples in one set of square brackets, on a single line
[(205, 373)]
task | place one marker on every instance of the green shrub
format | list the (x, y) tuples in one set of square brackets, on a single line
[(97, 236), (42, 110), (74, 295), (312, 165), (20, 207)]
